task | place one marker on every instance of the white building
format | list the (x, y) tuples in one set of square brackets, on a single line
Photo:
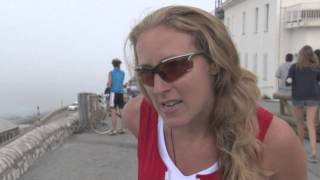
[(264, 31)]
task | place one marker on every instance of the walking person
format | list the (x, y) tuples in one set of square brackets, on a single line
[(199, 116), (284, 91), (282, 74), (304, 77), (116, 102)]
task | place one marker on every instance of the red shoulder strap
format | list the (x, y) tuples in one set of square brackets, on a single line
[(264, 120), (147, 126), (150, 165)]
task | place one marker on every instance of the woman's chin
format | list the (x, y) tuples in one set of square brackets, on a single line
[(174, 122)]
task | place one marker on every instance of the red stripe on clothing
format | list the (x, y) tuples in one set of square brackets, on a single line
[(150, 164), (264, 118)]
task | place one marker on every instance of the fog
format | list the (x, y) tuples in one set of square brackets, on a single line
[(52, 50)]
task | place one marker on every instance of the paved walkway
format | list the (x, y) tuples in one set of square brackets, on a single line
[(90, 156)]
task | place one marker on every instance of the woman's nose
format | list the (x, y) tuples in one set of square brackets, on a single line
[(160, 85)]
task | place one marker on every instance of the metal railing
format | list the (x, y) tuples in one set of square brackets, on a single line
[(7, 136), (302, 15)]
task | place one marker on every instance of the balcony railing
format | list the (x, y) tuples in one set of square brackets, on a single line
[(230, 3), (302, 15)]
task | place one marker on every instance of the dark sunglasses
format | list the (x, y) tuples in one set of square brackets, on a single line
[(169, 69)]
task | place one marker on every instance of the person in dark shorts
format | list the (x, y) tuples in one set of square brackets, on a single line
[(304, 77), (116, 103)]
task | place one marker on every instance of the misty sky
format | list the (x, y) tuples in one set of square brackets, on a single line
[(50, 50)]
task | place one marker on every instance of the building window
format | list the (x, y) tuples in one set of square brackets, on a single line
[(232, 25), (267, 14), (246, 60), (265, 67), (256, 21), (244, 23), (255, 63)]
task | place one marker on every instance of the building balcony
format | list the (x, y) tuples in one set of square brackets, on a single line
[(302, 15), (230, 3)]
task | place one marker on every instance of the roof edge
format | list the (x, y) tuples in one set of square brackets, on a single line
[(230, 3)]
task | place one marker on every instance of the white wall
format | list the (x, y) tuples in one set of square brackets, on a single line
[(304, 36), (256, 44)]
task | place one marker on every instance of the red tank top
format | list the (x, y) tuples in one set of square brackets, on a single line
[(150, 164)]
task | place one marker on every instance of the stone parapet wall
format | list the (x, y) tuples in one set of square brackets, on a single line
[(17, 156), (49, 115)]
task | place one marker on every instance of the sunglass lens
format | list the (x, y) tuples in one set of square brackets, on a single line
[(174, 69), (146, 76)]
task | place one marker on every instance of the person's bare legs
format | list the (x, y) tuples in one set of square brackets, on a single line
[(113, 120), (298, 113), (311, 125), (121, 129)]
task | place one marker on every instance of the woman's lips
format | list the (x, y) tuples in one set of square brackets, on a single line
[(170, 106)]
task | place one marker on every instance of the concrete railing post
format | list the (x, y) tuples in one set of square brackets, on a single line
[(84, 110)]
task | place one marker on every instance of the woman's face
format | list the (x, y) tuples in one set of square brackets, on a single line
[(189, 98)]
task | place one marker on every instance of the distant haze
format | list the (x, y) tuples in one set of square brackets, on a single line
[(50, 50)]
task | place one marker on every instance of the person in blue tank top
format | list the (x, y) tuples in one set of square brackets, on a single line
[(115, 83)]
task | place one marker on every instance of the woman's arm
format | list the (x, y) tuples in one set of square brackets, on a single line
[(131, 114)]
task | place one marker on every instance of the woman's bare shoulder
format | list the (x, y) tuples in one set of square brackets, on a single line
[(131, 114), (284, 152)]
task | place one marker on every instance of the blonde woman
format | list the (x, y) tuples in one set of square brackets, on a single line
[(199, 115), (304, 76)]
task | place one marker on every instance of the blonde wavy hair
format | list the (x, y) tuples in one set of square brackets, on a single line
[(233, 118), (307, 58)]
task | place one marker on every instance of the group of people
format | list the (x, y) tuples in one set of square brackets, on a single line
[(199, 114), (301, 81)]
